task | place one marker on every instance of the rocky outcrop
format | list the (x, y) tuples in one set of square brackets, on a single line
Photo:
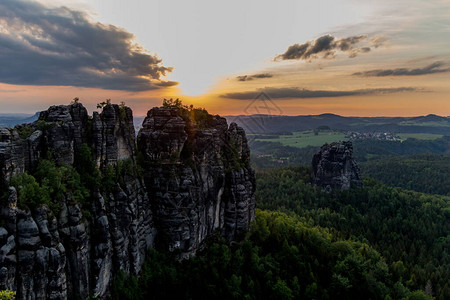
[(199, 177), (65, 128), (197, 182), (334, 167), (114, 136), (17, 154), (77, 251)]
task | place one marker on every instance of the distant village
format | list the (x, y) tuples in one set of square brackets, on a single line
[(386, 136)]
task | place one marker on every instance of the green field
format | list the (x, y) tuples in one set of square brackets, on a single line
[(301, 139), (307, 138), (420, 136)]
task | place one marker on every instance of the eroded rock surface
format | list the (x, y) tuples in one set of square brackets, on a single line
[(197, 181), (48, 256), (199, 177), (334, 167)]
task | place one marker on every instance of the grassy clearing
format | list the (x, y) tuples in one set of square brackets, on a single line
[(307, 138), (420, 136)]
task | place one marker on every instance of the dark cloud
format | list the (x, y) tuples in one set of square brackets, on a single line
[(326, 46), (296, 51), (322, 45), (281, 93), (254, 76), (166, 83), (430, 69), (346, 44), (60, 46)]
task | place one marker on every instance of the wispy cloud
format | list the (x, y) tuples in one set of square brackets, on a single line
[(430, 69), (254, 76), (326, 47), (293, 92), (11, 91), (61, 46)]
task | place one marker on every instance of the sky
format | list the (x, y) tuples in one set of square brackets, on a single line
[(349, 57)]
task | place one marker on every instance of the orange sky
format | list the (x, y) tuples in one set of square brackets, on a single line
[(383, 59), (31, 99)]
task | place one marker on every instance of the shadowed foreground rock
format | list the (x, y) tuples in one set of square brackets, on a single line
[(198, 181), (334, 167), (199, 178)]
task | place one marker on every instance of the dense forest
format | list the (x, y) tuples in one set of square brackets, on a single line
[(373, 243), (410, 229), (427, 173), (365, 150), (281, 258)]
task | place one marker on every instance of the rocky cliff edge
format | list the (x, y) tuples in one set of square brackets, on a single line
[(186, 177)]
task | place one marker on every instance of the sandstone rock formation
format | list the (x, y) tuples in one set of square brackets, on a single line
[(198, 181), (334, 167)]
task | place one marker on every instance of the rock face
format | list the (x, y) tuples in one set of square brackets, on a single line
[(334, 167), (197, 181), (114, 136), (47, 256), (199, 178)]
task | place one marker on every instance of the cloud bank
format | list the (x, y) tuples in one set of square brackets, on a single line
[(254, 76), (293, 92), (430, 69), (326, 47), (60, 46)]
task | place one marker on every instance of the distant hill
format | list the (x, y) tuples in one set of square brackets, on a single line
[(11, 120), (258, 124)]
